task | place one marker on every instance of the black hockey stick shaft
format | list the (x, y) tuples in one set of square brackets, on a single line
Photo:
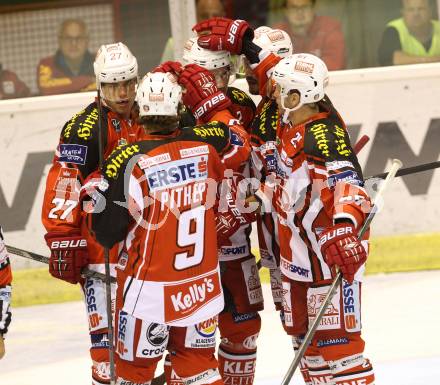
[(85, 272), (409, 170), (338, 278), (106, 250)]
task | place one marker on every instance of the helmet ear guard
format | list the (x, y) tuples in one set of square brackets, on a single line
[(158, 94), (305, 73)]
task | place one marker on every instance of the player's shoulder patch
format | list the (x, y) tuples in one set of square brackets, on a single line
[(115, 164), (264, 126), (327, 138), (240, 97), (83, 126), (215, 133)]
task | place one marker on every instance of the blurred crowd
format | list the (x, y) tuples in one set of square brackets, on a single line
[(412, 38)]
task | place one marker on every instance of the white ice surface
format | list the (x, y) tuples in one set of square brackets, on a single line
[(401, 313)]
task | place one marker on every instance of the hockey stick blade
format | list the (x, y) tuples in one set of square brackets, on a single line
[(396, 165), (87, 273)]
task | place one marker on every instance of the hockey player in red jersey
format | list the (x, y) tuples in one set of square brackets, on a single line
[(5, 293), (321, 205), (239, 322), (77, 156), (169, 290), (265, 129), (261, 50)]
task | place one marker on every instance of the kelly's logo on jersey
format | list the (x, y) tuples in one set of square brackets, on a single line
[(185, 298), (178, 172)]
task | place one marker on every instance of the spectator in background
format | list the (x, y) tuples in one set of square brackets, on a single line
[(321, 36), (255, 12), (414, 38), (205, 9), (11, 86), (71, 68)]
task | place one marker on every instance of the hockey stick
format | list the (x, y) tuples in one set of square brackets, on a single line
[(2, 347), (85, 272), (409, 170), (337, 280), (360, 144), (111, 345)]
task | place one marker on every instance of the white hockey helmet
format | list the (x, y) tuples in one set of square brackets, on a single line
[(210, 60), (276, 41), (114, 63), (158, 93), (303, 72)]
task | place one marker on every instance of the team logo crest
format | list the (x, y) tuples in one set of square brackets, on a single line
[(116, 124)]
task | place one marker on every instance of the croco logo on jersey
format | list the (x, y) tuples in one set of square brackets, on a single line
[(319, 133), (157, 334), (207, 328), (178, 172), (85, 128), (118, 157), (205, 131)]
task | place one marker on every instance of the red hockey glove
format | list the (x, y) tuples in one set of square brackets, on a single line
[(230, 219), (174, 67), (340, 247), (68, 255), (202, 96), (223, 34), (228, 223)]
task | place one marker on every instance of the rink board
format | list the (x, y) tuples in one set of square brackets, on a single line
[(397, 107)]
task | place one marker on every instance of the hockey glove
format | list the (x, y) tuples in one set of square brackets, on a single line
[(5, 309), (229, 218), (222, 34), (68, 255), (341, 248), (228, 223), (170, 66), (202, 96)]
